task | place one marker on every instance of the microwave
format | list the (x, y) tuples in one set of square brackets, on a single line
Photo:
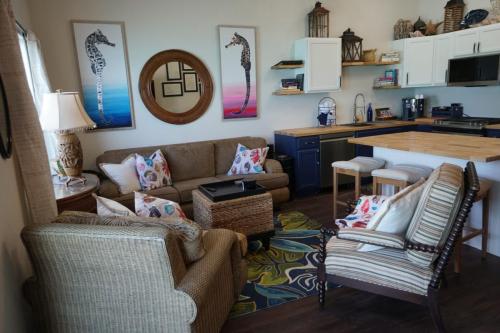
[(474, 71)]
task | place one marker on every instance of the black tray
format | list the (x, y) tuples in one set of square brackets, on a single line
[(229, 189)]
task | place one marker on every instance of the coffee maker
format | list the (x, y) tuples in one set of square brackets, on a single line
[(413, 107)]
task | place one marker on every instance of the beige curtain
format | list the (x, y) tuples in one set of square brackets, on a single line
[(29, 146)]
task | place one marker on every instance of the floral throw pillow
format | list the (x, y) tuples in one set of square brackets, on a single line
[(248, 161), (365, 208), (149, 206), (153, 171)]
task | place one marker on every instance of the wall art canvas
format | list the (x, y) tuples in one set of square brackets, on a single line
[(104, 73), (238, 72)]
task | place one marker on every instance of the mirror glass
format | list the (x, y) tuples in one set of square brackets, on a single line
[(176, 87), (5, 130)]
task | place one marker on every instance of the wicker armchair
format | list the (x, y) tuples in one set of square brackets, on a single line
[(408, 267), (95, 278)]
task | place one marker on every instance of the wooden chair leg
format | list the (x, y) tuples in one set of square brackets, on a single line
[(375, 186), (335, 192), (486, 217), (458, 256), (434, 309), (357, 186)]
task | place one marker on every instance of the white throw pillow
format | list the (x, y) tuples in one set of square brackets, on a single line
[(124, 175), (149, 206), (108, 207), (395, 214)]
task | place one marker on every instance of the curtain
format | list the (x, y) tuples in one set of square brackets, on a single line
[(29, 145), (41, 85)]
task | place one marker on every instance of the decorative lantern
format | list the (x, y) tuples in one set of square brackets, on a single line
[(319, 21), (453, 15), (352, 47)]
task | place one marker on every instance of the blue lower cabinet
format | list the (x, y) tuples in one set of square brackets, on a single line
[(305, 153), (424, 128), (493, 133), (368, 150)]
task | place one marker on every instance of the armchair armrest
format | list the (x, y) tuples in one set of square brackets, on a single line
[(329, 229), (422, 247), (373, 237), (272, 166)]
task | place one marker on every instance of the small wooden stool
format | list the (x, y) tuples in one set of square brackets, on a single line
[(399, 176), (358, 168), (469, 232)]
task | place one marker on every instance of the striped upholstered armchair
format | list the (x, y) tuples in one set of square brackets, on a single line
[(100, 278), (409, 267)]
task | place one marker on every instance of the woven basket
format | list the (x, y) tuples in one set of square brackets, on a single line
[(248, 215), (453, 15)]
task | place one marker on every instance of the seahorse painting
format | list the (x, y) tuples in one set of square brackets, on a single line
[(97, 64), (237, 39)]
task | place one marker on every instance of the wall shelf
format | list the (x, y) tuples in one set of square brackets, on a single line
[(362, 63), (387, 87), (288, 93), (287, 66)]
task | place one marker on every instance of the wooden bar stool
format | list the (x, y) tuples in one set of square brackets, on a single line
[(399, 176), (469, 232), (358, 168)]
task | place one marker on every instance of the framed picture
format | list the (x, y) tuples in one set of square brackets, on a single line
[(186, 67), (172, 89), (238, 72), (173, 71), (104, 73), (190, 82)]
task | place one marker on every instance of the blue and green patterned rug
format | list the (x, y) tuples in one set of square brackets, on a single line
[(287, 271)]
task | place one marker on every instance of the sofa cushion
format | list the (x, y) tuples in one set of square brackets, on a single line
[(186, 187), (118, 155), (166, 192), (191, 160), (149, 206), (270, 181), (248, 161), (153, 171), (108, 207), (124, 174), (188, 231), (225, 151), (436, 211)]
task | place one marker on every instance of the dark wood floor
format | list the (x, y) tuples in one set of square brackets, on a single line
[(470, 303)]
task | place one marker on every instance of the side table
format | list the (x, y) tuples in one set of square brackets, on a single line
[(251, 215), (77, 197)]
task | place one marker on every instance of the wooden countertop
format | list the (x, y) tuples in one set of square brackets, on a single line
[(493, 127), (311, 131), (470, 148)]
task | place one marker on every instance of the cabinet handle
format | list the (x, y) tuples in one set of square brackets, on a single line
[(407, 78), (478, 47), (446, 77), (474, 49), (340, 80)]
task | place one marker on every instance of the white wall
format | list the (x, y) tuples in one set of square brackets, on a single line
[(156, 25), (481, 101), (14, 262)]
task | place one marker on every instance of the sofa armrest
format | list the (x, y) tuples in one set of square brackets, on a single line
[(373, 237), (272, 166), (108, 189)]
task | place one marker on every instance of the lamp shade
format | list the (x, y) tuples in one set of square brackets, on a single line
[(63, 111)]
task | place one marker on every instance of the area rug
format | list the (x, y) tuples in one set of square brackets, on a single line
[(287, 271)]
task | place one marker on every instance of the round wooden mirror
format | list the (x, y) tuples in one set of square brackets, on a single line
[(175, 86)]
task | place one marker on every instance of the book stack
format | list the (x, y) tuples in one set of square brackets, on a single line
[(390, 79), (390, 57), (292, 86)]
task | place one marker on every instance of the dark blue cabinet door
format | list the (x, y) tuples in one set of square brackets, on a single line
[(307, 171), (493, 133), (424, 128)]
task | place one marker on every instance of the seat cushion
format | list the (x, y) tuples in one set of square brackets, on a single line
[(186, 187), (270, 181), (436, 211), (191, 160), (361, 164), (225, 151), (166, 192), (385, 267), (407, 173)]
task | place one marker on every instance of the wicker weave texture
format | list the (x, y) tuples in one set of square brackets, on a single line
[(248, 215), (452, 17)]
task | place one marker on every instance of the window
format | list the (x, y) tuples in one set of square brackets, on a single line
[(23, 44)]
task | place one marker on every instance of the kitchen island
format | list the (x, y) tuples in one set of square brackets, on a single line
[(433, 149)]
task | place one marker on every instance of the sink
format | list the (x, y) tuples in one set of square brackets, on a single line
[(357, 124)]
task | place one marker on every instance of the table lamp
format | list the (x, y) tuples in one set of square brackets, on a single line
[(63, 113)]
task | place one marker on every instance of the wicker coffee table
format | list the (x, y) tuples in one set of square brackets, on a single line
[(251, 215)]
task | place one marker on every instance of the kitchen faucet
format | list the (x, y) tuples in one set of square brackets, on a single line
[(356, 107)]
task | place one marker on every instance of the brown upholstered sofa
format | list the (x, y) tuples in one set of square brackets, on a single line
[(196, 163)]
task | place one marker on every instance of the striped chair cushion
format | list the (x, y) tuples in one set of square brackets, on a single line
[(436, 212), (385, 267)]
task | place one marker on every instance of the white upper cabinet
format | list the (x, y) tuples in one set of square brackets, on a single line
[(416, 68), (489, 39), (443, 52), (322, 63), (465, 43), (477, 41)]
